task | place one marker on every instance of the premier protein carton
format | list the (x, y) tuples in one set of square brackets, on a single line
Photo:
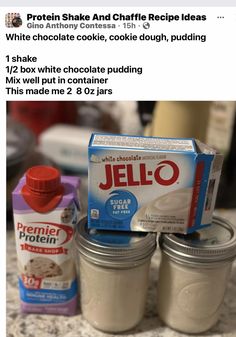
[(151, 184), (46, 210)]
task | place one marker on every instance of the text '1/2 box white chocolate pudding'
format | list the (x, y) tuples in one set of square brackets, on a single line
[(151, 184)]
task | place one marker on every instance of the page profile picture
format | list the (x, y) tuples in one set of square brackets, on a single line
[(13, 20)]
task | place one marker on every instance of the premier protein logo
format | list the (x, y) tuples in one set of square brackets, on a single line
[(44, 232), (123, 175)]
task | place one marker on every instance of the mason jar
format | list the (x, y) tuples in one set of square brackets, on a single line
[(193, 276), (113, 271)]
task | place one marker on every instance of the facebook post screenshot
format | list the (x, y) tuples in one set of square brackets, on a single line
[(119, 189)]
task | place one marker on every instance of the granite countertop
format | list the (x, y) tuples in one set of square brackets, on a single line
[(32, 325)]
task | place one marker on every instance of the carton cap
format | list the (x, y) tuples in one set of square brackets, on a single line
[(43, 179), (43, 190)]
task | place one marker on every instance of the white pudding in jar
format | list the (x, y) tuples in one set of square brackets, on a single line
[(113, 272), (193, 276)]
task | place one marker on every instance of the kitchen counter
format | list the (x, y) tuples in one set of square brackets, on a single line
[(31, 325)]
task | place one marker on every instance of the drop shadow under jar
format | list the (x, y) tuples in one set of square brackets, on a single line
[(193, 276), (113, 271)]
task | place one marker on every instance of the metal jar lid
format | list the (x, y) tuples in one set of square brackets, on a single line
[(212, 244), (114, 248)]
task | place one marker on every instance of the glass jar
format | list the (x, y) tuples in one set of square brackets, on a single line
[(193, 276), (113, 271)]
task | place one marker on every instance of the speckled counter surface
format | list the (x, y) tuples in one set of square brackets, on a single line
[(19, 325)]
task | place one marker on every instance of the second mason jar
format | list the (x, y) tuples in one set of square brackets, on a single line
[(113, 271), (193, 276)]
